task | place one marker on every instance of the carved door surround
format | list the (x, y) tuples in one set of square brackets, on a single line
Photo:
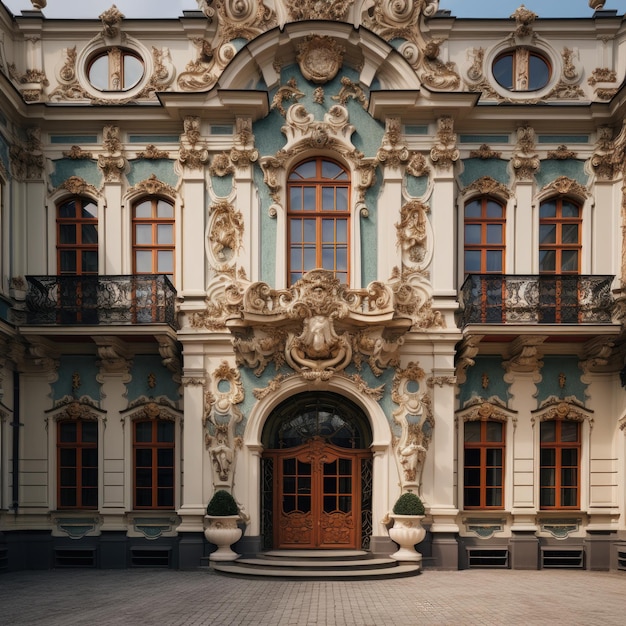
[(317, 496)]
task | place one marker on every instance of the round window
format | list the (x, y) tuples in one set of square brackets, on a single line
[(521, 70), (115, 70)]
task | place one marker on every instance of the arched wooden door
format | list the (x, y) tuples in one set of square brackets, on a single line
[(317, 501)]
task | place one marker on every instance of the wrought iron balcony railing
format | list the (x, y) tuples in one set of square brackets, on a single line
[(100, 300), (538, 299)]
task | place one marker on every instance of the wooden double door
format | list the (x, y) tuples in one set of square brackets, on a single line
[(317, 496)]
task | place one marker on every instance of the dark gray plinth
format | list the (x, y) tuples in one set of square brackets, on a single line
[(445, 551), (190, 550), (524, 550), (598, 548), (113, 551), (381, 545)]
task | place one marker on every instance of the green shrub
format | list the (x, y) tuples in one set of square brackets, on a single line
[(409, 504), (222, 503)]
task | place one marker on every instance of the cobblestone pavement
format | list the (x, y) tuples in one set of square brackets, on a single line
[(193, 598)]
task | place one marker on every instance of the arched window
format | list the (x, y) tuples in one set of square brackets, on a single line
[(484, 231), (318, 219), (153, 237), (77, 236), (483, 480), (560, 464), (560, 223), (521, 70)]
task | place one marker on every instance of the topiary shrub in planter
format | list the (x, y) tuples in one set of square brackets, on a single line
[(222, 503), (409, 504), (407, 529), (222, 515)]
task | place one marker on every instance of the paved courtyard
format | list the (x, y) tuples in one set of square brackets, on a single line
[(192, 598)]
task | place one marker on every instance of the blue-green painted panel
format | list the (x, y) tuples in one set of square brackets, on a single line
[(221, 129), (268, 230), (561, 378), (74, 139), (250, 382), (142, 169), (222, 185), (87, 169), (485, 379), (488, 139), (473, 169), (563, 139), (145, 365), (413, 129), (5, 307), (416, 186), (553, 168), (369, 230), (153, 139), (4, 153), (77, 369)]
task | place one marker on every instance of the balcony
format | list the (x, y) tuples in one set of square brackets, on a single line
[(100, 300), (536, 299)]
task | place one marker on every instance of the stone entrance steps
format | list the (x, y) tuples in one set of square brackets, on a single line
[(317, 565)]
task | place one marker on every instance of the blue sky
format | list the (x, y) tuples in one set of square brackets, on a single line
[(174, 8)]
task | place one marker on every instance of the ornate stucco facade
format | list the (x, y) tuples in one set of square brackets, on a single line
[(182, 375)]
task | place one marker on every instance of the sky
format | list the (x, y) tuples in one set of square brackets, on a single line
[(174, 8)]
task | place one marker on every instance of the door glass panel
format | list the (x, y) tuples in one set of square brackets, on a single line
[(143, 234)]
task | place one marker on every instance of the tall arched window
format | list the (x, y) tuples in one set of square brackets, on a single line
[(153, 237), (318, 217), (560, 222), (77, 236), (484, 230)]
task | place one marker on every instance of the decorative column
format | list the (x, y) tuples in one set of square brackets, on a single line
[(444, 155), (192, 157), (114, 165), (525, 165), (443, 505)]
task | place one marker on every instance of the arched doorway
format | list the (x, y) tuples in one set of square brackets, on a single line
[(317, 474)]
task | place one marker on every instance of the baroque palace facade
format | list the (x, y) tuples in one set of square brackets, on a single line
[(316, 254)]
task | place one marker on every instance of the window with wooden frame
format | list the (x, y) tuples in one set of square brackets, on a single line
[(153, 237), (318, 219), (115, 69), (484, 236), (153, 460), (560, 225), (77, 464), (559, 480), (483, 469), (522, 70), (77, 237)]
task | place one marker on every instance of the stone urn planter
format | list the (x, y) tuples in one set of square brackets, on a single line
[(407, 529), (221, 526)]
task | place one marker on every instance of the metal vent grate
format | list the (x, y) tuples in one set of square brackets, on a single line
[(150, 557), (621, 560), (567, 558), (488, 557), (75, 557)]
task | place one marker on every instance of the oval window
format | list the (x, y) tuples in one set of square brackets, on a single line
[(115, 70), (521, 70)]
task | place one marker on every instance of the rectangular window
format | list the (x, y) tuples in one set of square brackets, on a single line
[(77, 463), (483, 471), (559, 474), (153, 454)]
